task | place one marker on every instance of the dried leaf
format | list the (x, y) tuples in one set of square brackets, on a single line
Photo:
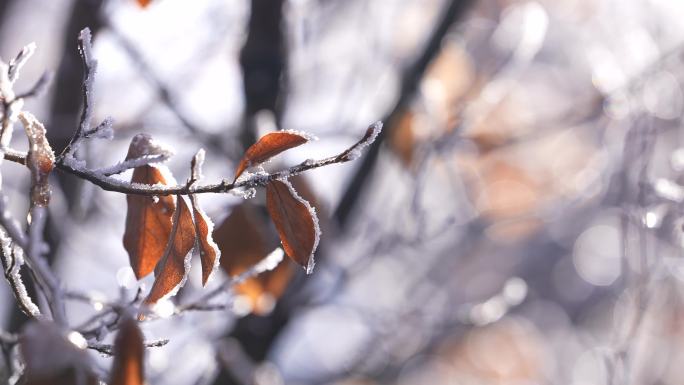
[(129, 355), (208, 250), (295, 221), (269, 146), (148, 219), (172, 269), (243, 244), (40, 159), (148, 223), (144, 3), (50, 358)]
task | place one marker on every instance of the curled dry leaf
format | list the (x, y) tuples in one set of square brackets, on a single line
[(172, 269), (296, 222), (243, 244), (129, 355), (50, 358), (269, 146), (40, 159), (148, 219), (208, 250)]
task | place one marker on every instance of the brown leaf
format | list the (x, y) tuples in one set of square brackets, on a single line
[(295, 221), (148, 220), (242, 242), (269, 146), (129, 355), (40, 159), (171, 270), (208, 250), (148, 223), (50, 358)]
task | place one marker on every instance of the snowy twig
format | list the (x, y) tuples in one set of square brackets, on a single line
[(108, 350), (270, 262), (108, 183), (12, 260), (132, 163), (84, 130)]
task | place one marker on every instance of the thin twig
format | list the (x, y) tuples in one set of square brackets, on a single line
[(108, 350), (109, 183), (270, 262)]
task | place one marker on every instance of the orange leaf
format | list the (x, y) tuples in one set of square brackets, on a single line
[(172, 269), (148, 223), (129, 355), (243, 244), (144, 3), (148, 220), (269, 146), (295, 221), (208, 250)]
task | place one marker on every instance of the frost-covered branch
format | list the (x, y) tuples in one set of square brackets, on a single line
[(132, 163), (270, 262), (108, 350), (84, 131), (12, 260), (103, 179)]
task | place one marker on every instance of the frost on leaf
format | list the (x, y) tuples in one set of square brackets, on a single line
[(208, 250), (172, 269), (243, 245), (148, 220), (129, 355), (296, 222), (50, 358), (40, 159), (269, 146)]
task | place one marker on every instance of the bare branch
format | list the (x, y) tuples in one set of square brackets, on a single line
[(12, 260), (270, 262), (132, 163), (108, 350), (89, 69), (108, 183)]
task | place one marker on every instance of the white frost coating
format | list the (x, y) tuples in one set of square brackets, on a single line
[(131, 163), (145, 145), (166, 173), (317, 229), (371, 135), (260, 177), (244, 193), (197, 163), (13, 274), (210, 240), (105, 130), (17, 63), (186, 260), (309, 137), (270, 262), (76, 164)]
